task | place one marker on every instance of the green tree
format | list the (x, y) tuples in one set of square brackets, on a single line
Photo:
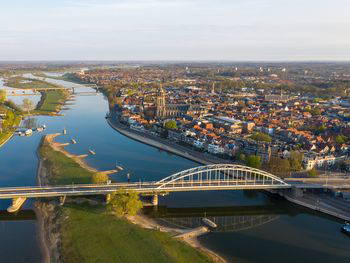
[(241, 156), (2, 96), (171, 125), (295, 160), (312, 172), (253, 161), (100, 178), (261, 137), (124, 202), (279, 166), (27, 105), (340, 139)]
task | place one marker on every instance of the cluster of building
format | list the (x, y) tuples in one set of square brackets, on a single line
[(223, 122)]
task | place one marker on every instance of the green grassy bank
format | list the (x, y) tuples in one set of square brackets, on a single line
[(27, 83), (63, 170), (51, 102), (12, 120), (90, 234)]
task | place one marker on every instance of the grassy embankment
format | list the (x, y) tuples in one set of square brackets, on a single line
[(51, 100), (12, 119), (63, 170), (90, 234), (27, 83)]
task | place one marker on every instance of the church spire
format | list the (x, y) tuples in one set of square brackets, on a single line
[(213, 88)]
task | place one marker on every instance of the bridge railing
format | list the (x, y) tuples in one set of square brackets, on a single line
[(222, 173)]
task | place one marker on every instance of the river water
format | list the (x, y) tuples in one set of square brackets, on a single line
[(253, 227)]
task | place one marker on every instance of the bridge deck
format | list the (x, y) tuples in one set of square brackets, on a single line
[(144, 187)]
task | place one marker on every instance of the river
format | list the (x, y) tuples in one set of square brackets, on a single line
[(254, 227)]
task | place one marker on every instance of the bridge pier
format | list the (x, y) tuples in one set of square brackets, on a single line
[(108, 198), (16, 204), (62, 199), (155, 200)]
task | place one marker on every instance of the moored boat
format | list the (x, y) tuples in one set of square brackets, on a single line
[(28, 132), (346, 229)]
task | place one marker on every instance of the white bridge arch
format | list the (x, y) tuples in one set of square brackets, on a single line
[(221, 176)]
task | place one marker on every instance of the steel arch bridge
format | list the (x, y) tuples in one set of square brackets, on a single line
[(221, 177), (202, 178)]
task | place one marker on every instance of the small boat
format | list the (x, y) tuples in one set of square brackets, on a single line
[(39, 129), (64, 131), (346, 229), (91, 152), (43, 126), (73, 141), (118, 166), (208, 222), (28, 132), (21, 134)]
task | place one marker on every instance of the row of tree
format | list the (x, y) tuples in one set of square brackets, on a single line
[(276, 165)]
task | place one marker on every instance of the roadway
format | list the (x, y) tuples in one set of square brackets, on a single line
[(140, 187)]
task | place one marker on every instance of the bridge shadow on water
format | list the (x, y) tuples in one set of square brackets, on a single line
[(227, 219)]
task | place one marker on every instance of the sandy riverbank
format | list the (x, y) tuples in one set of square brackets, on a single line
[(79, 159)]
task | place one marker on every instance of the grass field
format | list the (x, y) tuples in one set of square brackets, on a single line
[(4, 136), (63, 169), (26, 83), (89, 234), (51, 102)]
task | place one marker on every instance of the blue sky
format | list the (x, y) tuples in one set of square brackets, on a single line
[(175, 30)]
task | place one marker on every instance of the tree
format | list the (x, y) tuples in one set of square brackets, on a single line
[(2, 96), (100, 178), (312, 172), (170, 125), (261, 137), (241, 156), (340, 139), (253, 161), (124, 202), (295, 160), (278, 166), (27, 105)]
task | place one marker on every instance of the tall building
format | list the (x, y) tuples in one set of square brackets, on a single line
[(164, 110), (161, 110)]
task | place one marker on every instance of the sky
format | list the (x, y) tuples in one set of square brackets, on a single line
[(229, 30)]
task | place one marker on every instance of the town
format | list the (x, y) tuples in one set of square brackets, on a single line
[(289, 119)]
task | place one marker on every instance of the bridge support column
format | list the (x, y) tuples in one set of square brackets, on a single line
[(16, 204), (62, 199), (108, 198), (155, 200)]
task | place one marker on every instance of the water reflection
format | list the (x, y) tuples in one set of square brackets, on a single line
[(227, 219)]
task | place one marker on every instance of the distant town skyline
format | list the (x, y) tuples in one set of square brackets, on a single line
[(241, 30)]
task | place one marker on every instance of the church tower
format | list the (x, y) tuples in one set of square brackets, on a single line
[(213, 88), (160, 102)]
